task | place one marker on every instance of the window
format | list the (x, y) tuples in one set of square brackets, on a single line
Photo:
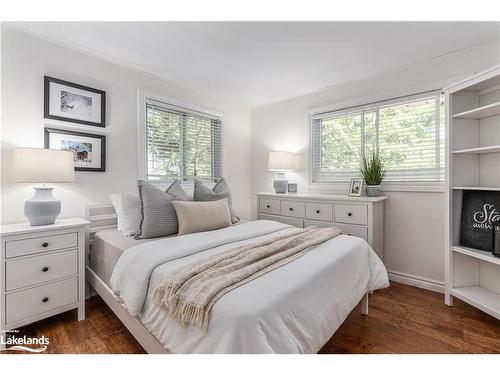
[(408, 133), (181, 143)]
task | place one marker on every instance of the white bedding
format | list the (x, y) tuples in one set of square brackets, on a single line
[(294, 309)]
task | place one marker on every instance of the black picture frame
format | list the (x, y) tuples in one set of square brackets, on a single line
[(48, 131), (46, 101)]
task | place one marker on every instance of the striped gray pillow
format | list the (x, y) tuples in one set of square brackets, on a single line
[(221, 190), (158, 217)]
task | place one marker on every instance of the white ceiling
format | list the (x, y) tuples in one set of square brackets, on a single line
[(258, 62)]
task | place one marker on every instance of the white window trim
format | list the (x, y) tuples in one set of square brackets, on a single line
[(350, 106), (141, 132)]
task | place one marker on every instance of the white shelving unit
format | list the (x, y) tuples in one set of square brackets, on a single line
[(473, 163)]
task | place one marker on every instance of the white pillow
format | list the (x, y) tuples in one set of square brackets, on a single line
[(128, 210), (202, 216)]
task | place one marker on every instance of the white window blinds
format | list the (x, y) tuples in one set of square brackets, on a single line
[(407, 132), (181, 143)]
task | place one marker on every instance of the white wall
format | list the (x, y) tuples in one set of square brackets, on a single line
[(414, 220), (26, 59)]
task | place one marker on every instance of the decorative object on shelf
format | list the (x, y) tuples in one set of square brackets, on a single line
[(480, 214), (356, 187), (373, 173), (45, 166), (292, 188), (89, 150), (67, 101), (280, 162)]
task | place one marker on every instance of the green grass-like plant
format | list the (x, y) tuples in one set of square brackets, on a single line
[(373, 170)]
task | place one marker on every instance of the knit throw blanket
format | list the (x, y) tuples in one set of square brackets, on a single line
[(190, 292)]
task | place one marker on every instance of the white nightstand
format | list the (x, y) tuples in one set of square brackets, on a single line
[(42, 271)]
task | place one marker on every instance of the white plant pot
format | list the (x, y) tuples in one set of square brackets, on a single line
[(374, 191)]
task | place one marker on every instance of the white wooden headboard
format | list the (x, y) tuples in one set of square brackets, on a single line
[(101, 217)]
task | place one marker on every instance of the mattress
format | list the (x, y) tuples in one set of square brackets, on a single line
[(109, 245), (107, 248)]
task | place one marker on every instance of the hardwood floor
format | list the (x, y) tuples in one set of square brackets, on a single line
[(402, 319)]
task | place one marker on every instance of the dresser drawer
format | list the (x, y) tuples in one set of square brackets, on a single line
[(293, 208), (351, 230), (269, 206), (354, 230), (34, 301), (319, 211), (40, 244), (299, 223), (351, 214), (40, 269)]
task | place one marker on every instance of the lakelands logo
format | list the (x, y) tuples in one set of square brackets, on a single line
[(20, 343)]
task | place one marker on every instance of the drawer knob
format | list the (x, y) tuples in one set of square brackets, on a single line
[(45, 244), (45, 299), (45, 269), (318, 211), (268, 206), (291, 208), (349, 214)]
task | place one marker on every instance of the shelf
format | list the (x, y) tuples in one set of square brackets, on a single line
[(479, 150), (481, 112), (479, 254), (492, 188), (482, 298)]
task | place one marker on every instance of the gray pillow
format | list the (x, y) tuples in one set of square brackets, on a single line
[(158, 217), (202, 193)]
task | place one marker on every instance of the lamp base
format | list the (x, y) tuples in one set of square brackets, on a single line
[(280, 184), (43, 208)]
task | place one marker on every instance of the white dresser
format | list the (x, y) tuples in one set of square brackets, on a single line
[(42, 271), (356, 216)]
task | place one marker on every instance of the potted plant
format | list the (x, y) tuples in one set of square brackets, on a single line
[(373, 173)]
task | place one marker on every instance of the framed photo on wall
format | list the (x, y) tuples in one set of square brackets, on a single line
[(89, 150), (356, 187), (67, 101)]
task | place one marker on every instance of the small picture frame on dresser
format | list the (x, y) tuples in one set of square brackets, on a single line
[(292, 188), (356, 187)]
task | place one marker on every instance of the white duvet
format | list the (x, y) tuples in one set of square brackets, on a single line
[(293, 309)]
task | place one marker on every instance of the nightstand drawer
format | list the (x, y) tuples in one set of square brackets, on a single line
[(40, 269), (269, 206), (319, 211), (34, 301), (293, 208), (40, 244), (351, 214)]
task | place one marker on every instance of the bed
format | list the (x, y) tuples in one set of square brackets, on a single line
[(293, 309)]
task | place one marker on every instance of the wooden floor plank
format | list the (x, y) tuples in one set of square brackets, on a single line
[(402, 319)]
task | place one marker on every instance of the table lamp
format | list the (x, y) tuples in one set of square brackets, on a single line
[(280, 162), (43, 166)]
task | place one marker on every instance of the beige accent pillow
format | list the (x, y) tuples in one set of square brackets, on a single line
[(196, 217)]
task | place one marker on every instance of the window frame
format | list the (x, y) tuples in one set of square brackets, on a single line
[(142, 161), (367, 104)]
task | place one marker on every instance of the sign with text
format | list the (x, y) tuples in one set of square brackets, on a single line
[(480, 216)]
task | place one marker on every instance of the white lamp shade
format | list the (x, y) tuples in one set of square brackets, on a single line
[(280, 161), (43, 165)]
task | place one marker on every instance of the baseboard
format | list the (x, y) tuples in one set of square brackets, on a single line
[(419, 282)]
